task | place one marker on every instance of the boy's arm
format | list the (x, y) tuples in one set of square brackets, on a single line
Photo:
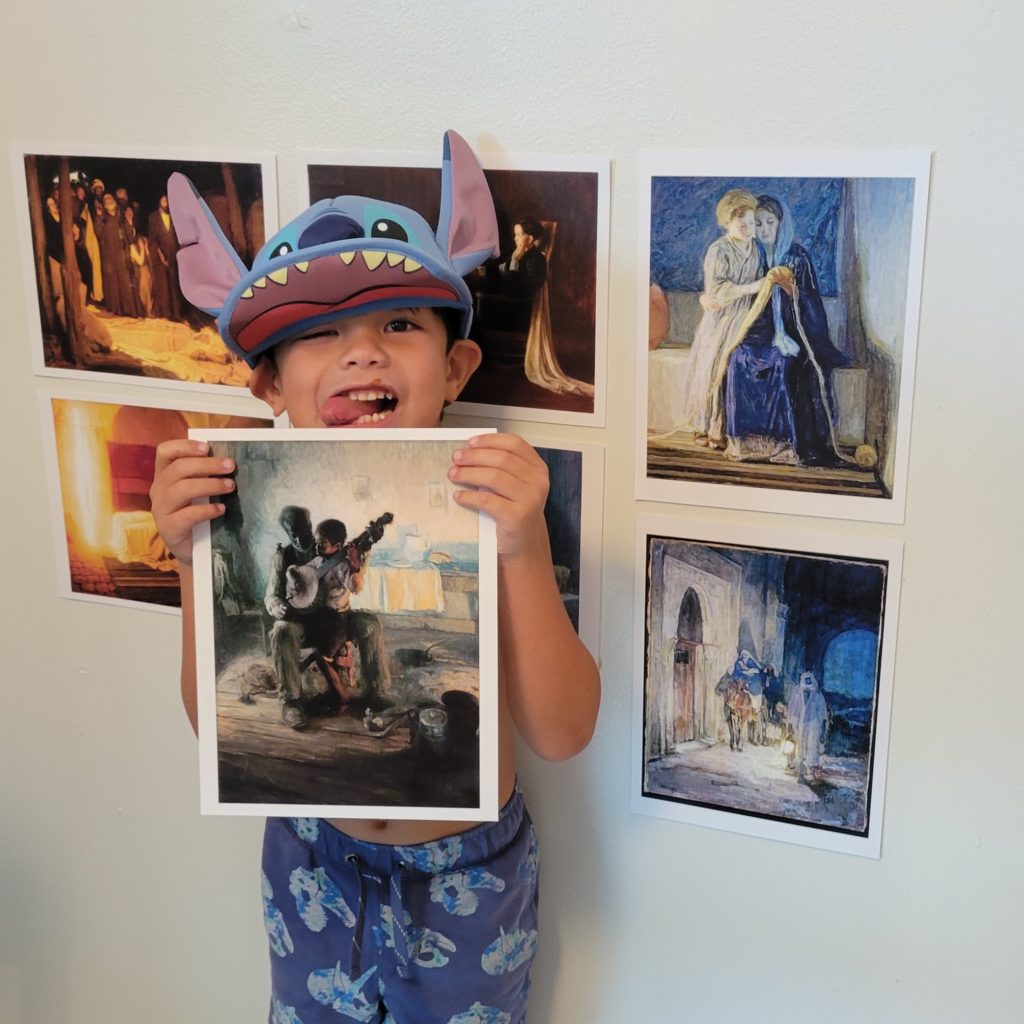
[(552, 682), (188, 647), (184, 472)]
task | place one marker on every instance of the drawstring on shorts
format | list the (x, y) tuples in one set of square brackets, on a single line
[(396, 904)]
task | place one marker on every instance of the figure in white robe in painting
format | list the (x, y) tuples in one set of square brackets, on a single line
[(807, 715), (733, 269)]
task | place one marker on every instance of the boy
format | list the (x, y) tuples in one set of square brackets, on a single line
[(403, 921)]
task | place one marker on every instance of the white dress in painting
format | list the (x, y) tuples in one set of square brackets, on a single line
[(725, 266)]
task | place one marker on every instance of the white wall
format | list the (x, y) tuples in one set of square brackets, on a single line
[(117, 903)]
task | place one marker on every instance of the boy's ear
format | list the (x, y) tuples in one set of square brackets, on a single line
[(463, 358), (264, 384)]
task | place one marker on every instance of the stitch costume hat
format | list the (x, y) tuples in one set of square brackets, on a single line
[(342, 256)]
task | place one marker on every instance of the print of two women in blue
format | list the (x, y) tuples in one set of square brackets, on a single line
[(759, 382)]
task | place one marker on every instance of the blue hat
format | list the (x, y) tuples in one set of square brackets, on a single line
[(342, 256)]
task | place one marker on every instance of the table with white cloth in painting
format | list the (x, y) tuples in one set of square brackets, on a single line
[(400, 587)]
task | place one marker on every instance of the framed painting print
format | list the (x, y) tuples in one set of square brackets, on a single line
[(100, 455), (540, 306), (764, 667), (574, 516), (99, 252), (346, 631), (777, 325)]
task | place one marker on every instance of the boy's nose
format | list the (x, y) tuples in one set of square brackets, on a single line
[(361, 346)]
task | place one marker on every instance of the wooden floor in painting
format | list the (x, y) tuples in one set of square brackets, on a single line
[(135, 581), (676, 457), (335, 760)]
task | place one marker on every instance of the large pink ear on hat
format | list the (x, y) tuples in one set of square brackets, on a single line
[(208, 266), (468, 228)]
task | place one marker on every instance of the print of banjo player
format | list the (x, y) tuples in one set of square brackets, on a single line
[(312, 579)]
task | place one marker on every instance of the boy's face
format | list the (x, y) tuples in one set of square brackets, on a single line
[(387, 368), (742, 227), (324, 547)]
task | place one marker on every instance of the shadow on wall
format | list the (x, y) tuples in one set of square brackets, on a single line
[(574, 880)]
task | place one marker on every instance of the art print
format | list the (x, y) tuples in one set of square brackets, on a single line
[(778, 316), (346, 631), (573, 514), (101, 452), (764, 680), (539, 307), (99, 251)]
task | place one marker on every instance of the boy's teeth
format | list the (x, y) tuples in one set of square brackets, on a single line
[(371, 417), (369, 396)]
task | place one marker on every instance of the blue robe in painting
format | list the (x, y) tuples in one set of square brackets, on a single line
[(758, 412), (774, 402), (812, 409)]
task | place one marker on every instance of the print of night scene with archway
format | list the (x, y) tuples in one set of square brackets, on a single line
[(765, 689)]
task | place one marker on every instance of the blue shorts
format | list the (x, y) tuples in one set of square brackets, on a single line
[(438, 933)]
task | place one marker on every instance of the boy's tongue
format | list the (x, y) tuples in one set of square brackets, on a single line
[(341, 409)]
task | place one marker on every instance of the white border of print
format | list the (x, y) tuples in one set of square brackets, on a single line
[(220, 404), (799, 164), (591, 532), (771, 538), (513, 162), (20, 150), (487, 623)]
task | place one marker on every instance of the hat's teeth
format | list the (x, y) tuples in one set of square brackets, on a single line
[(411, 265), (302, 267), (261, 283), (347, 257), (247, 294), (279, 276), (394, 258), (373, 258)]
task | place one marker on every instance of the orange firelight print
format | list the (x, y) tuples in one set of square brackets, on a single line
[(105, 454)]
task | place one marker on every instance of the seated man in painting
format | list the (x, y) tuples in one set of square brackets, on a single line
[(309, 594)]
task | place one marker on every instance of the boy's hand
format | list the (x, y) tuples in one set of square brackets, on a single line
[(185, 471), (509, 482)]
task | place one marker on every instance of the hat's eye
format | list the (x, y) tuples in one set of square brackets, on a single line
[(282, 250), (388, 229)]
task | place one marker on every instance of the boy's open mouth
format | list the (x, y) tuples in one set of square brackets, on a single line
[(359, 407)]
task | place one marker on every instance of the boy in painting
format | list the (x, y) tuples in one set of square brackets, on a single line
[(426, 922)]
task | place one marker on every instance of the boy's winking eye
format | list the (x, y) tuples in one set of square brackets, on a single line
[(395, 325)]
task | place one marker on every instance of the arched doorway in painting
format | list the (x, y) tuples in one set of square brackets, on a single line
[(849, 679), (689, 638)]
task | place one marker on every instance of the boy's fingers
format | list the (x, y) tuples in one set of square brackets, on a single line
[(180, 470), (482, 501), (466, 460), (506, 442), (168, 451), (192, 515), (496, 480), (184, 492)]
